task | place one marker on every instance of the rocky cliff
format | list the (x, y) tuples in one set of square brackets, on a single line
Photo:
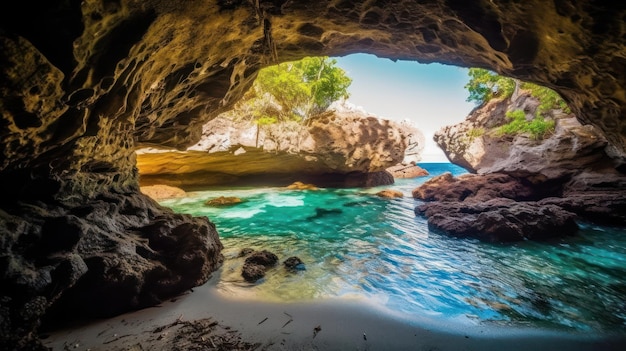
[(477, 145), (83, 83), (523, 186), (340, 147)]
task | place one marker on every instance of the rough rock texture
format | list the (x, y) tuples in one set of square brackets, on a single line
[(256, 265), (323, 151), (118, 252), (475, 145), (161, 192), (85, 82), (499, 220), (407, 171), (223, 201), (390, 194), (500, 207), (294, 263), (415, 142)]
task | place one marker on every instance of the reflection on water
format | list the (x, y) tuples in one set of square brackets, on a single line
[(353, 242)]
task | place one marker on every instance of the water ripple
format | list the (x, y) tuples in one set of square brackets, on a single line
[(353, 242)]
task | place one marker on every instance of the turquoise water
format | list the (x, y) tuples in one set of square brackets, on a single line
[(356, 244)]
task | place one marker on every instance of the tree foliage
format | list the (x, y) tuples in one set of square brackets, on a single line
[(485, 85), (303, 88)]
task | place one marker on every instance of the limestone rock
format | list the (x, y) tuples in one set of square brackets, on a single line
[(326, 149), (475, 145), (407, 171), (390, 194), (301, 186), (86, 82), (223, 201), (162, 192)]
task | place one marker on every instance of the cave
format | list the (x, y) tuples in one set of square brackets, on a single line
[(85, 83)]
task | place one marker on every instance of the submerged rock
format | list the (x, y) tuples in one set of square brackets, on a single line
[(294, 263), (322, 212), (223, 201), (245, 252)]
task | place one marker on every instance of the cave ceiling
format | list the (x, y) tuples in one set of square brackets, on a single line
[(86, 82)]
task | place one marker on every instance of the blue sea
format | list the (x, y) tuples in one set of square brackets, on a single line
[(354, 243)]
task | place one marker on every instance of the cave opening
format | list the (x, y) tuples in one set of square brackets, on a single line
[(78, 232), (313, 223)]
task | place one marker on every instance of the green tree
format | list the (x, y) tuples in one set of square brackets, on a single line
[(304, 88), (485, 85)]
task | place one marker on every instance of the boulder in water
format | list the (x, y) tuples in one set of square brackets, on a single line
[(390, 194), (294, 263), (162, 192), (407, 171), (264, 258), (252, 272), (223, 201), (302, 186)]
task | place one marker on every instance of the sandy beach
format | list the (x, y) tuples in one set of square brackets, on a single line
[(215, 319)]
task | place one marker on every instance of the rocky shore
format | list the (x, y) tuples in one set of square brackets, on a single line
[(522, 188)]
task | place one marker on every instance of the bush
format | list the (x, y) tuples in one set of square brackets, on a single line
[(538, 127)]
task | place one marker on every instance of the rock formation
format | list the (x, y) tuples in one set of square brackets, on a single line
[(476, 145), (328, 149), (498, 207), (524, 188), (162, 192), (83, 83)]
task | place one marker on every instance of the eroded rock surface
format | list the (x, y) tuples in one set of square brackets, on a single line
[(334, 148), (115, 253), (498, 207), (83, 83), (476, 145)]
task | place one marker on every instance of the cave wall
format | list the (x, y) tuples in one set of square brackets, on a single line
[(85, 82)]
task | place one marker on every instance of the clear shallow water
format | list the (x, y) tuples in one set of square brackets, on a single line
[(354, 243)]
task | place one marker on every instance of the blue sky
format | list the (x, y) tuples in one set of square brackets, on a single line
[(431, 95)]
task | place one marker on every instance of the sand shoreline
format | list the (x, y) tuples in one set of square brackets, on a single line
[(330, 324)]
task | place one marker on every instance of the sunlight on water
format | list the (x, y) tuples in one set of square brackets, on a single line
[(354, 243)]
